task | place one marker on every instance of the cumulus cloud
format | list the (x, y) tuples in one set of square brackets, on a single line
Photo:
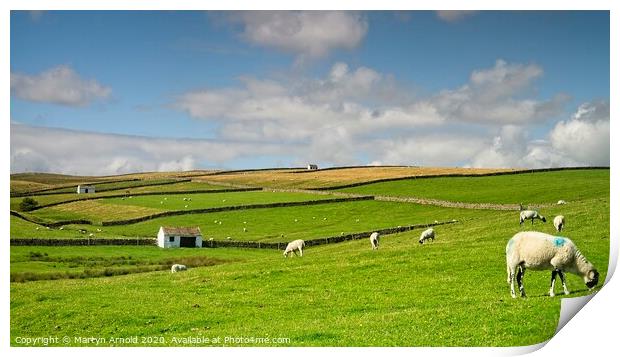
[(308, 34), (495, 96), (365, 102), (59, 85), (454, 15), (585, 137), (582, 140), (38, 149)]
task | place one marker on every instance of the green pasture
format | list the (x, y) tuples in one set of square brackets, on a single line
[(530, 188), (451, 292)]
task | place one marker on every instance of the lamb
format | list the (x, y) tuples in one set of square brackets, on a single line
[(558, 223), (298, 244), (374, 240), (561, 202), (177, 268), (529, 214), (541, 251), (426, 235)]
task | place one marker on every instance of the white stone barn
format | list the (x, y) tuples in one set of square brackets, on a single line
[(85, 189), (176, 237), (313, 167)]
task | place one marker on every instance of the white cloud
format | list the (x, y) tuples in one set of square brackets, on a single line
[(59, 85), (582, 140), (454, 15), (308, 34), (585, 137), (38, 149)]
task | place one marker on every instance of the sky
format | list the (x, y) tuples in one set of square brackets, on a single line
[(112, 92)]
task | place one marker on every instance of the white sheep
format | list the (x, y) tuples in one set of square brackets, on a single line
[(177, 268), (298, 244), (374, 240), (531, 215), (558, 223), (426, 235), (541, 251), (561, 202)]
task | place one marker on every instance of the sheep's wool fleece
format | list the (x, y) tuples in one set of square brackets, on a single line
[(538, 249)]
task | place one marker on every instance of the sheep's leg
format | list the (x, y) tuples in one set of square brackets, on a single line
[(566, 292), (511, 281), (520, 275), (554, 273), (301, 253)]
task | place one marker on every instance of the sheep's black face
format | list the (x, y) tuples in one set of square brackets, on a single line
[(544, 220), (592, 279)]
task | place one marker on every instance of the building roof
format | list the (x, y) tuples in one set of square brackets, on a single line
[(182, 231)]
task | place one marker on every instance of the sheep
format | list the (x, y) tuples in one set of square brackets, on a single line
[(541, 251), (245, 229), (529, 214), (374, 240), (91, 235), (561, 202), (177, 268), (298, 244), (558, 223), (61, 228), (426, 235)]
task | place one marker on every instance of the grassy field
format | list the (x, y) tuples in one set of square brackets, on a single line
[(121, 186), (62, 197), (269, 224), (138, 206), (542, 187), (328, 178), (451, 292)]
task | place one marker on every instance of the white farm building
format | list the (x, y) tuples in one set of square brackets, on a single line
[(85, 189), (313, 167), (175, 237)]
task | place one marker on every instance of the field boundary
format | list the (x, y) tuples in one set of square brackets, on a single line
[(218, 243), (232, 208), (224, 190), (106, 189), (306, 171), (217, 173), (81, 241), (319, 241), (36, 192), (415, 177)]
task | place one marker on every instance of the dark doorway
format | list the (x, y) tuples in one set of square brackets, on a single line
[(189, 242)]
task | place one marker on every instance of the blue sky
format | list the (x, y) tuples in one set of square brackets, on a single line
[(254, 89)]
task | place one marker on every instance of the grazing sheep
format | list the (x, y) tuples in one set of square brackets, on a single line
[(37, 228), (529, 214), (558, 223), (541, 251), (561, 202), (245, 229), (98, 230), (177, 268), (426, 235), (374, 240), (91, 235), (61, 228), (185, 206), (298, 244)]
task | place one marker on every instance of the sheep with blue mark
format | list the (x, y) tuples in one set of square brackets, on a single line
[(541, 251), (558, 223), (531, 215)]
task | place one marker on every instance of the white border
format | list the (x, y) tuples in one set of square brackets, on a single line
[(590, 331)]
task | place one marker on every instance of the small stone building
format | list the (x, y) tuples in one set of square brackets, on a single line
[(179, 237), (85, 189), (313, 167)]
